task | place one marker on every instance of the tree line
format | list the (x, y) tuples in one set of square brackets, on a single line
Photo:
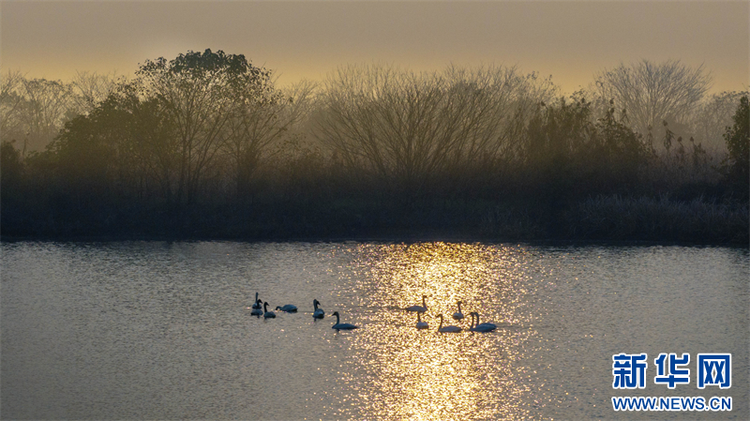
[(206, 145)]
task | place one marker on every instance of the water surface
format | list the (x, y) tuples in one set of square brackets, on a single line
[(156, 330)]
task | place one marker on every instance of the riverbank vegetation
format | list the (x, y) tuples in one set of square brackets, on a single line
[(207, 146)]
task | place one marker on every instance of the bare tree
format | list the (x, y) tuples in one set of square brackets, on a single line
[(259, 123), (711, 118), (405, 127), (49, 104), (33, 111), (497, 103), (11, 106), (654, 92), (91, 89), (386, 122)]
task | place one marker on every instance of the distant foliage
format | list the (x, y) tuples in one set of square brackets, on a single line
[(206, 146), (405, 129), (179, 128), (32, 111), (200, 96), (11, 169), (711, 118), (654, 92), (569, 153), (738, 144)]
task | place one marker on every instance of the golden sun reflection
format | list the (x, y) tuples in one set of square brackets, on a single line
[(425, 375)]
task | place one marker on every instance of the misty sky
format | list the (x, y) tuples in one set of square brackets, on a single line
[(569, 40)]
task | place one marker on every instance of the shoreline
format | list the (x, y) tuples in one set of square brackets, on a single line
[(406, 239)]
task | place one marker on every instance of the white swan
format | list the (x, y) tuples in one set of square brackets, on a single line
[(419, 309), (342, 326), (268, 314), (318, 313), (480, 327), (447, 329), (287, 308), (458, 315), (257, 304), (257, 308), (420, 323)]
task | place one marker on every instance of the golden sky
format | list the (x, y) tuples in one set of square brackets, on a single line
[(307, 39)]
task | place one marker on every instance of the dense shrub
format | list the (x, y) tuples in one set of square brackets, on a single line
[(738, 144)]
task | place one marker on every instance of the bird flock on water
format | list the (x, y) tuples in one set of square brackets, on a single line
[(260, 308), (475, 326)]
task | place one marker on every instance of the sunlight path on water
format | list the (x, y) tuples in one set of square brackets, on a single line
[(427, 375)]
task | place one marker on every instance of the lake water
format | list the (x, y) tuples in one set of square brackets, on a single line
[(159, 330)]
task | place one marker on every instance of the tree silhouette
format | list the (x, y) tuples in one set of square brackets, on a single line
[(712, 117), (33, 110), (738, 144), (654, 92), (406, 128), (200, 94), (258, 123), (205, 145)]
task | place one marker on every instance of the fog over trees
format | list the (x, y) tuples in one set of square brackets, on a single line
[(653, 92), (206, 145), (406, 129)]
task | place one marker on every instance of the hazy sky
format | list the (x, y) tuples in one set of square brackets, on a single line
[(569, 40)]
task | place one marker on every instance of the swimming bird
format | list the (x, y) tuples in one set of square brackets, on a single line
[(287, 308), (458, 315), (344, 326), (447, 329), (257, 308), (420, 323), (257, 304), (318, 313), (480, 327), (419, 309), (268, 314)]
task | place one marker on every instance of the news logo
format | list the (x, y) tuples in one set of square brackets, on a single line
[(712, 370), (715, 370), (670, 371), (629, 371)]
